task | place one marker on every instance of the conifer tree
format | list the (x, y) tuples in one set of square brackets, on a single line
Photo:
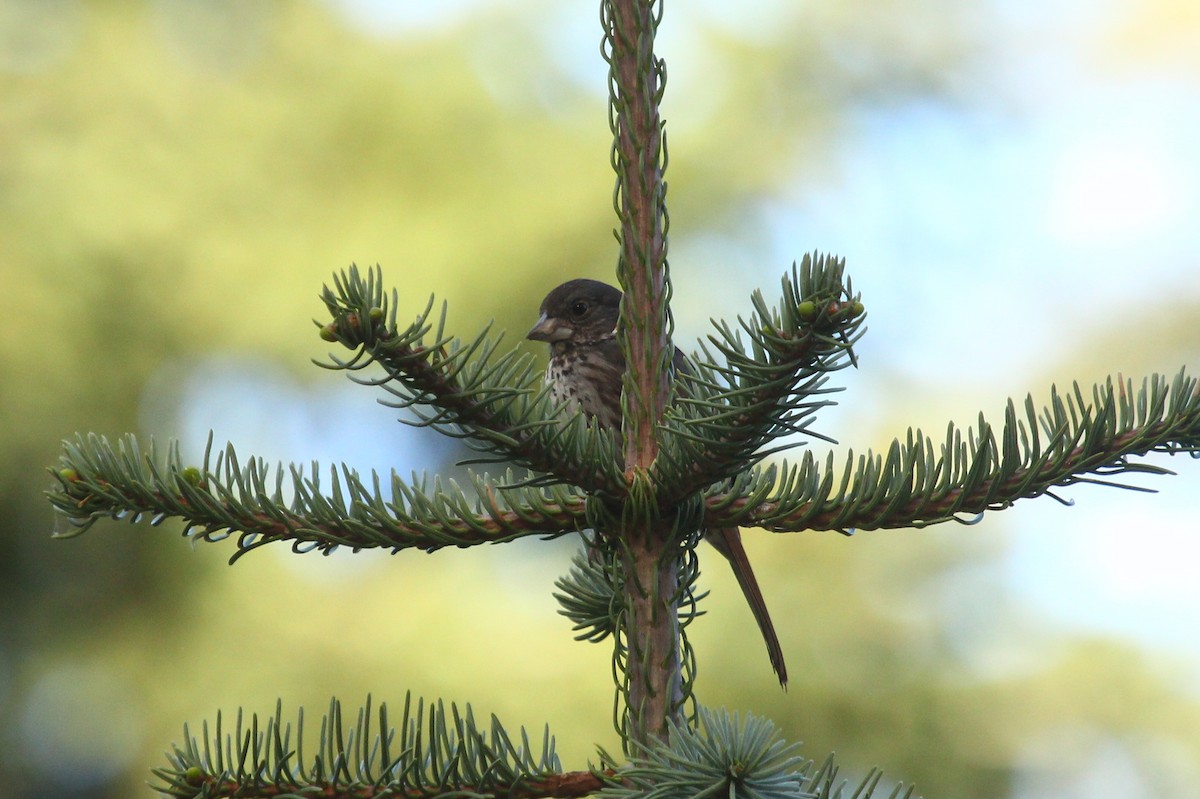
[(686, 462)]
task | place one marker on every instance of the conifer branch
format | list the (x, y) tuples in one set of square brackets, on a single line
[(1070, 441), (222, 498), (637, 80), (592, 596), (730, 409), (495, 403), (434, 752), (649, 650), (722, 756), (915, 483)]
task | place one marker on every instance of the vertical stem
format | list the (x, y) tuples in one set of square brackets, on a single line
[(636, 82), (653, 690)]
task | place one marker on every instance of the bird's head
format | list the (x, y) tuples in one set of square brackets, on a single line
[(578, 312)]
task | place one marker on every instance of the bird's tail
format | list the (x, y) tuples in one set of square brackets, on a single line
[(728, 541)]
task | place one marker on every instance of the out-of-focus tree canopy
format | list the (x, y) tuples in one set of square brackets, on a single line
[(178, 179)]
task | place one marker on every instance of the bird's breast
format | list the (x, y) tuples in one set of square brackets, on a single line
[(586, 383)]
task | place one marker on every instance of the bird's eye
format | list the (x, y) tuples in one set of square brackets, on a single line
[(579, 308)]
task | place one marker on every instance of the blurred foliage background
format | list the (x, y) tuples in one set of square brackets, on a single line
[(178, 179)]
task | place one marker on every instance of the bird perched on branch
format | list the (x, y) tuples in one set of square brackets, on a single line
[(579, 322)]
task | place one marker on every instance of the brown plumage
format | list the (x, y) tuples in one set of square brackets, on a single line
[(579, 320)]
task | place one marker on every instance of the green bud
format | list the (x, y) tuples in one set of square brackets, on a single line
[(68, 475), (329, 332), (194, 775), (375, 314), (191, 475), (807, 310)]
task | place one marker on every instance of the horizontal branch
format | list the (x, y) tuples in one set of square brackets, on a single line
[(259, 505), (432, 752), (1071, 441), (567, 785), (437, 752), (913, 484)]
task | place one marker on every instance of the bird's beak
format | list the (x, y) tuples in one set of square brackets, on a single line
[(550, 330)]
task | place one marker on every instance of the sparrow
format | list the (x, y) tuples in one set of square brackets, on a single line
[(579, 322)]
